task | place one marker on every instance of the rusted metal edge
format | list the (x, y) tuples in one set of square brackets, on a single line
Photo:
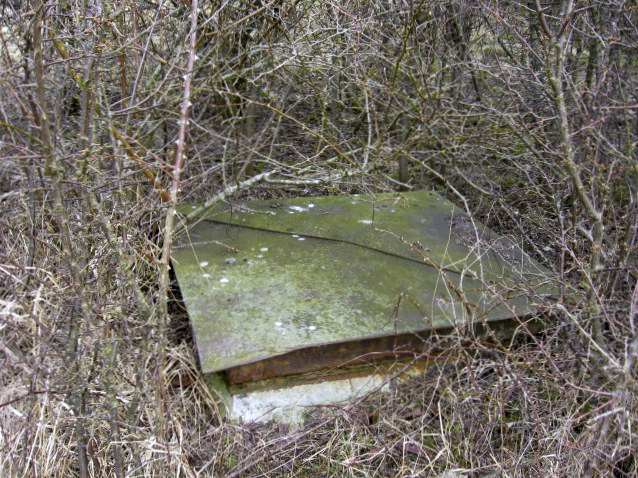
[(362, 352), (387, 368)]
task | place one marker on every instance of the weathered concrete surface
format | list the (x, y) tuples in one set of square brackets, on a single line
[(269, 277), (291, 404)]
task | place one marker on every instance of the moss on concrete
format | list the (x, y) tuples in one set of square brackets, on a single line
[(282, 275), (216, 383)]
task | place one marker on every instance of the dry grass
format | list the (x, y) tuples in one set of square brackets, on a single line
[(530, 407), (330, 100)]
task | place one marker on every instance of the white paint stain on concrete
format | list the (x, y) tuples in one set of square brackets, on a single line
[(298, 208)]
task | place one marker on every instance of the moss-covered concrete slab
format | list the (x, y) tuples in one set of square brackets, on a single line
[(265, 278)]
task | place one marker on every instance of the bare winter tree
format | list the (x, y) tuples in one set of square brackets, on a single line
[(113, 113)]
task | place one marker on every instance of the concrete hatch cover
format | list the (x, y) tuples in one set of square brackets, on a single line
[(283, 287)]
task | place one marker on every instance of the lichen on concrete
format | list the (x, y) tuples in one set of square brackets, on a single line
[(268, 277)]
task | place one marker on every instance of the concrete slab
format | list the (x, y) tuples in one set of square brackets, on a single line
[(291, 405), (295, 285)]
